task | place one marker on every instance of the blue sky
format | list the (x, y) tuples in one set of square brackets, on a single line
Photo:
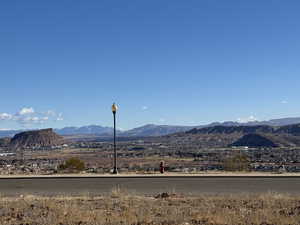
[(64, 62)]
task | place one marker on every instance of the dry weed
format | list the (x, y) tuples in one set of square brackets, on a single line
[(121, 207)]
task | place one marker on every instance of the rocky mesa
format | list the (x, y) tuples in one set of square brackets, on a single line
[(36, 139)]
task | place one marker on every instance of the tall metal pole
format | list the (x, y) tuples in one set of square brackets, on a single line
[(115, 171)]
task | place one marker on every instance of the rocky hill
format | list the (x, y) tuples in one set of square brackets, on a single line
[(223, 136), (232, 129), (255, 140), (36, 139), (289, 129)]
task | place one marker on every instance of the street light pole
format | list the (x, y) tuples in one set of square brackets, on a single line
[(114, 111)]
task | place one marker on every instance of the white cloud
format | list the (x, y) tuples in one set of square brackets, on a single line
[(25, 111), (33, 119), (284, 102), (144, 107), (5, 116), (50, 113), (247, 119), (60, 117), (28, 116)]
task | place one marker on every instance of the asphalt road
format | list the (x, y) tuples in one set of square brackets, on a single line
[(148, 185)]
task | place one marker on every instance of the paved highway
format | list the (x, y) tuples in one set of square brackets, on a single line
[(148, 185)]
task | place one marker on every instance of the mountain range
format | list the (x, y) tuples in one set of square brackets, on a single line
[(154, 130), (89, 130)]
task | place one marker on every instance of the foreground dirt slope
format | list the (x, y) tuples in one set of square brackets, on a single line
[(164, 209)]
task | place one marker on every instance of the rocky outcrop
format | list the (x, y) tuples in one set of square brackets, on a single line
[(232, 129), (289, 129), (255, 140), (224, 136), (36, 139)]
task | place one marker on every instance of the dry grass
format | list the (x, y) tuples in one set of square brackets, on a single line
[(120, 207)]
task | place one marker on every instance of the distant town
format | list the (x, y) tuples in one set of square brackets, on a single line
[(256, 147)]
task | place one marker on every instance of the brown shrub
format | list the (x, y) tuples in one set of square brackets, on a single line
[(237, 163), (72, 165)]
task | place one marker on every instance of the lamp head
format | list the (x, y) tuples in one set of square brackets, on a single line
[(114, 108)]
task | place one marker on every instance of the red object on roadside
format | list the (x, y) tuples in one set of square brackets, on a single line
[(162, 167)]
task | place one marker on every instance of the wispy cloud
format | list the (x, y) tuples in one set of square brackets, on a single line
[(247, 119), (60, 117), (26, 111), (27, 116), (161, 120), (284, 102), (5, 116), (144, 108), (50, 113)]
